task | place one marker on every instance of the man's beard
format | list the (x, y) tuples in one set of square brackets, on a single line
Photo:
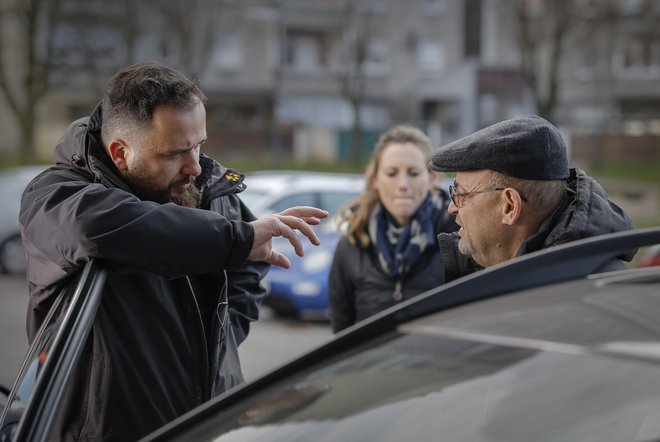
[(146, 192)]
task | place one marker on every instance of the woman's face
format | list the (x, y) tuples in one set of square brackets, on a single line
[(402, 180)]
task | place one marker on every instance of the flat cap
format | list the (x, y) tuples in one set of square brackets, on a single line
[(526, 147)]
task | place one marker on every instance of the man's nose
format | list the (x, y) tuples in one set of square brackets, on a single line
[(451, 208), (192, 166)]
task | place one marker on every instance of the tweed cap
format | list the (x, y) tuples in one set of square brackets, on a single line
[(527, 147)]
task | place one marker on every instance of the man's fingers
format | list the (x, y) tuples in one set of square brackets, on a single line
[(293, 222), (284, 224), (277, 259), (305, 212), (311, 220)]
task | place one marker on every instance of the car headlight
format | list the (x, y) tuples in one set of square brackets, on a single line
[(306, 288), (317, 261)]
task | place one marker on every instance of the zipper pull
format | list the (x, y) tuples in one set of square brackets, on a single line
[(398, 294)]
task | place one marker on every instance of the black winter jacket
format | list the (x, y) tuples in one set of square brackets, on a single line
[(586, 211), (358, 287), (160, 344)]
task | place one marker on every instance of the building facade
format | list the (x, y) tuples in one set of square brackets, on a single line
[(304, 79)]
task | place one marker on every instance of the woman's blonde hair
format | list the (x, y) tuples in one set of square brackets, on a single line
[(359, 210)]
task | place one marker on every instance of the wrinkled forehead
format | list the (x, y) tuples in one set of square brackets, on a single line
[(473, 178)]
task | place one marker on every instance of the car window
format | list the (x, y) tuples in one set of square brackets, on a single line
[(35, 360), (250, 197), (52, 358), (411, 386), (295, 199), (333, 201)]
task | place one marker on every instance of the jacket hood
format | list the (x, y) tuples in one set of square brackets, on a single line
[(588, 212), (81, 148)]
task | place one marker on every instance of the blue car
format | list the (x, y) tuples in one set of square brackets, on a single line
[(302, 291)]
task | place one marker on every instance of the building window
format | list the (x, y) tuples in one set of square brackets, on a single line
[(637, 57), (304, 51), (630, 7), (372, 6), (228, 54), (376, 60), (434, 7), (430, 56)]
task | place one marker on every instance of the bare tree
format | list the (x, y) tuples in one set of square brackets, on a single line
[(356, 38), (543, 27), (25, 72), (192, 28)]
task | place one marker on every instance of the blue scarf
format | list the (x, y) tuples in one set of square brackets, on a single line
[(399, 247)]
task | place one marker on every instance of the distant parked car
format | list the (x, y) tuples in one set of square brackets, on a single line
[(12, 183), (302, 290), (272, 191), (650, 257)]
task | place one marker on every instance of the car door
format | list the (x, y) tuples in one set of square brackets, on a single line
[(34, 400)]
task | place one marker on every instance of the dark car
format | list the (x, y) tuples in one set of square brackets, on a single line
[(537, 348)]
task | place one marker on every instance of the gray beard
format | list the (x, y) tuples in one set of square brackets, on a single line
[(189, 198)]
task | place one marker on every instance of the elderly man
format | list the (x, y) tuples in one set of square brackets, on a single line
[(514, 194)]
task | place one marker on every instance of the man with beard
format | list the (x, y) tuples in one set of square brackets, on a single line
[(514, 194), (184, 256)]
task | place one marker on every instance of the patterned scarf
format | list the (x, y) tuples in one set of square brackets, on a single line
[(399, 247)]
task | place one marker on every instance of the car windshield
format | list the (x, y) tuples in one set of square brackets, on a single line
[(416, 387), (250, 197), (470, 373)]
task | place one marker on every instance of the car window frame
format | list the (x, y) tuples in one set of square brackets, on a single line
[(41, 408)]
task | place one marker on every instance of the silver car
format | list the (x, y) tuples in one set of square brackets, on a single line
[(12, 183), (274, 191)]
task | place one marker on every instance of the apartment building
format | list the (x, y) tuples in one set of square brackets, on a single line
[(296, 78)]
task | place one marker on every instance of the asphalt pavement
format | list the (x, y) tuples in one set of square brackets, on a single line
[(13, 337)]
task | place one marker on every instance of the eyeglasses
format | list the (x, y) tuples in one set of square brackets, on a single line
[(458, 198)]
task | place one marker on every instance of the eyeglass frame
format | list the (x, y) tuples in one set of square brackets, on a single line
[(461, 196)]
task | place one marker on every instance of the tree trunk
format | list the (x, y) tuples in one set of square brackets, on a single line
[(356, 137)]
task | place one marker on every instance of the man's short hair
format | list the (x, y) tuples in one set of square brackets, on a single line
[(135, 91)]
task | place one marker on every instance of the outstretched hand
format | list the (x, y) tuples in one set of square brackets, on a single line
[(284, 224)]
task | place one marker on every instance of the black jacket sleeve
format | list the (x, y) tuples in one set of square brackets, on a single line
[(69, 218)]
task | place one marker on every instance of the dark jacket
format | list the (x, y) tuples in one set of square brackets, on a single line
[(358, 287), (585, 211), (161, 343)]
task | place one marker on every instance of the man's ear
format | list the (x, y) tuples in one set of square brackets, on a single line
[(119, 151), (512, 206)]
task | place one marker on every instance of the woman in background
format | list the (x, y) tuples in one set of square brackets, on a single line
[(389, 251)]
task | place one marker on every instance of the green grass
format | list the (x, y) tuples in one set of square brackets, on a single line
[(646, 172), (246, 165)]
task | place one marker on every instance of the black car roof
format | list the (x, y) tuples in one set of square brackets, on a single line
[(612, 313)]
